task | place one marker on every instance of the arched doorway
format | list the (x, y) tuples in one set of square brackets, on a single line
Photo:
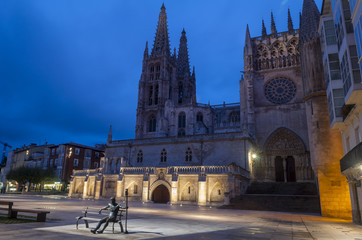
[(161, 194), (279, 170), (290, 169)]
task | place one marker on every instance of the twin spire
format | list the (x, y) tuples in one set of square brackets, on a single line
[(161, 45), (273, 27)]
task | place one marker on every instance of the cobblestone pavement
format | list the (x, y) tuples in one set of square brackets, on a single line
[(157, 221)]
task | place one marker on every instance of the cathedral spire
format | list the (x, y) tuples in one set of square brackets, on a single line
[(161, 44), (309, 21), (145, 54), (273, 27), (263, 29), (109, 139), (183, 64), (290, 22)]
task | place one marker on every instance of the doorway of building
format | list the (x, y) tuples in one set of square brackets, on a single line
[(161, 194), (279, 170), (290, 169)]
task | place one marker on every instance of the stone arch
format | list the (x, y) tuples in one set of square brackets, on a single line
[(217, 193), (131, 188), (284, 142), (159, 182), (163, 188), (188, 192)]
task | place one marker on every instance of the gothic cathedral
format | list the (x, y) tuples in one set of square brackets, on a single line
[(189, 152)]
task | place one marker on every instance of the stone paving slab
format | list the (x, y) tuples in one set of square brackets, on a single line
[(161, 221)]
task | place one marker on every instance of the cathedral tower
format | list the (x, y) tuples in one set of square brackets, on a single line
[(325, 144), (165, 78)]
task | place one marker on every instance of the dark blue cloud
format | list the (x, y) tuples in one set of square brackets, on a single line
[(69, 69)]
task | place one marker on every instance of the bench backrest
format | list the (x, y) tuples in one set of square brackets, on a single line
[(10, 204)]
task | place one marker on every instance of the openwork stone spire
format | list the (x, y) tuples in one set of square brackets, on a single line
[(145, 54), (309, 21), (273, 27), (290, 22), (183, 65), (263, 29), (161, 45)]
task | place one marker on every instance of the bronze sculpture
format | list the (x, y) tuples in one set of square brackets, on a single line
[(113, 208)]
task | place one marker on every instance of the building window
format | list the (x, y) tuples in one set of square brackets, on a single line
[(334, 66), (140, 157), (96, 154), (96, 165), (188, 155), (338, 98), (76, 162), (150, 95), (339, 27), (347, 16), (51, 163), (346, 76), (88, 153), (53, 151), (152, 69), (158, 68), (199, 117), (189, 190), (135, 189), (234, 118), (76, 151), (152, 124), (163, 156), (180, 92), (181, 124), (330, 33), (358, 138), (354, 63), (156, 94)]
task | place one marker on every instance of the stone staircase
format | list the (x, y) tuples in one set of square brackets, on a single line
[(285, 197)]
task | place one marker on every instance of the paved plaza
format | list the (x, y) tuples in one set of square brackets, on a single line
[(156, 221)]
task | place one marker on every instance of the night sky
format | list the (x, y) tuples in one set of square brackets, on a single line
[(70, 68)]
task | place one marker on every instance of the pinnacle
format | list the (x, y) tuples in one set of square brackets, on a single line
[(273, 27), (163, 6), (263, 29)]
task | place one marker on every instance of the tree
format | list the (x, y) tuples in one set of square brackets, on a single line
[(30, 175)]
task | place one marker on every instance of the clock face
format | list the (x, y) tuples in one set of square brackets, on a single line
[(280, 90)]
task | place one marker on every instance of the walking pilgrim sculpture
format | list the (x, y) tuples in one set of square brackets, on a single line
[(112, 216)]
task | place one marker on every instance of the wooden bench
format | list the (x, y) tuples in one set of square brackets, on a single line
[(85, 217), (40, 217), (9, 208)]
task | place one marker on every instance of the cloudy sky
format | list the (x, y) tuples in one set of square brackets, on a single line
[(70, 68)]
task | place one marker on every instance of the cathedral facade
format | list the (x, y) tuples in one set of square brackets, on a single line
[(187, 152)]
